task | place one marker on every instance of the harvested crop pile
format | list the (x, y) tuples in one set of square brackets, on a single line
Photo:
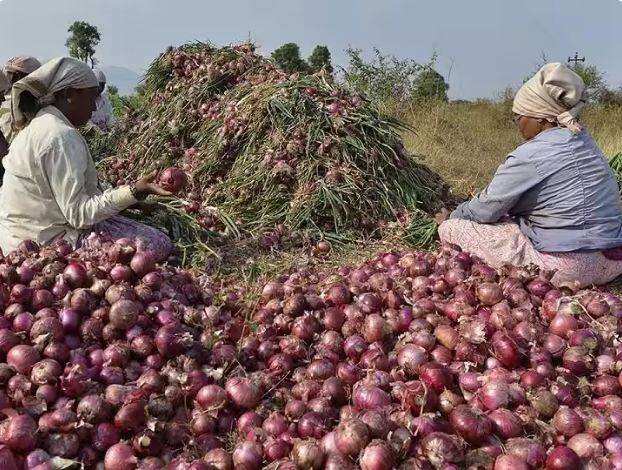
[(267, 148), (412, 360)]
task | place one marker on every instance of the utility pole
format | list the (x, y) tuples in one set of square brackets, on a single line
[(576, 59)]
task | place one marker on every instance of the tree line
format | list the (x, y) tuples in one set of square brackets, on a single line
[(382, 77)]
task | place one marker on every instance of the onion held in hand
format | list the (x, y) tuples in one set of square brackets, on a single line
[(173, 179)]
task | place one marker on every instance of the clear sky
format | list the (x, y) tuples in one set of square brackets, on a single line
[(483, 45)]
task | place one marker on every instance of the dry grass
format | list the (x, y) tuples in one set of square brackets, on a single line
[(466, 142)]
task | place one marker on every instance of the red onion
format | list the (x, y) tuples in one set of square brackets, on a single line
[(563, 458), (531, 451), (351, 437), (173, 179), (506, 350), (567, 422), (339, 295), (19, 433), (23, 358), (369, 397), (120, 457), (377, 456), (75, 275), (489, 293), (23, 322), (585, 446), (510, 462), (436, 376), (172, 340), (142, 263), (578, 361), (243, 392), (494, 395), (606, 385), (471, 425), (308, 454), (312, 424), (440, 449), (506, 424)]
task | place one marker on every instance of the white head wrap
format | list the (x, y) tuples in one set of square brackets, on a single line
[(52, 77), (4, 83), (24, 64), (101, 77), (555, 93)]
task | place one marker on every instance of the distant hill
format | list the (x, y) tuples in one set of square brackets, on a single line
[(123, 78)]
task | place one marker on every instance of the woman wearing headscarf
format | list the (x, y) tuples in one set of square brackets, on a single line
[(555, 201), (50, 188), (5, 85), (102, 118), (16, 68)]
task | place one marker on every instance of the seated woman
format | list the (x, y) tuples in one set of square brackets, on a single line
[(554, 202), (50, 188)]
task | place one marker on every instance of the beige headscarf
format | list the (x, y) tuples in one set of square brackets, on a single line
[(52, 77), (5, 85), (24, 64), (101, 77), (556, 94)]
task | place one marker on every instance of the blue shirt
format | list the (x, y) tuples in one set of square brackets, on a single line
[(559, 188)]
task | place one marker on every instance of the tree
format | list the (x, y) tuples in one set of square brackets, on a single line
[(287, 58), (430, 86), (320, 58), (594, 80), (113, 90), (82, 41), (384, 79)]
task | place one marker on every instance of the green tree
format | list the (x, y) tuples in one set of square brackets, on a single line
[(287, 58), (430, 85), (320, 58), (594, 80), (82, 41), (384, 79), (113, 90)]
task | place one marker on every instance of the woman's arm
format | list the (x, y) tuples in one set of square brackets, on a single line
[(512, 179), (65, 165)]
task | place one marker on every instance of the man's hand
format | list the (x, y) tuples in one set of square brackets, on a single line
[(145, 187), (442, 216)]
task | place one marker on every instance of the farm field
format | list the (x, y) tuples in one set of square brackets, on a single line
[(466, 142)]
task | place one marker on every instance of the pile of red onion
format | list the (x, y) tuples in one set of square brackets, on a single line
[(411, 361)]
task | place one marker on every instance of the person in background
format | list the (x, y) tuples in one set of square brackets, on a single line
[(50, 188), (103, 117), (16, 68), (555, 201), (5, 85)]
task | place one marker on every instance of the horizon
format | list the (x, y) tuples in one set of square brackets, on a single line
[(482, 47)]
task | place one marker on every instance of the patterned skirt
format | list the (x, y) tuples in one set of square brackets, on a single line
[(504, 243), (146, 237)]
